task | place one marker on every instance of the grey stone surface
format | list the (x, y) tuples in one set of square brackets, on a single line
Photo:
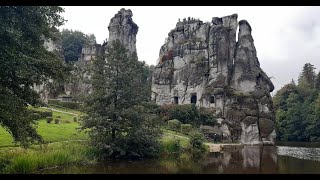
[(122, 27), (206, 61)]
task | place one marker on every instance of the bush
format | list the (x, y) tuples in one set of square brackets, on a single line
[(36, 116), (164, 111), (56, 121), (66, 121), (58, 116), (49, 119), (186, 113), (186, 128), (54, 101), (75, 119), (196, 141), (70, 105), (174, 124), (151, 108), (40, 114), (171, 146), (207, 117)]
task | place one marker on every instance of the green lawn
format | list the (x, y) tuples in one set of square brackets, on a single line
[(64, 131), (5, 138), (67, 109)]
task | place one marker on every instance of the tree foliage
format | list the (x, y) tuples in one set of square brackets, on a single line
[(307, 76), (24, 61), (73, 42), (297, 108), (188, 114), (317, 83), (120, 126)]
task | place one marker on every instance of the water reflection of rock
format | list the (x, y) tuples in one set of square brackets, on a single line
[(249, 159), (251, 156)]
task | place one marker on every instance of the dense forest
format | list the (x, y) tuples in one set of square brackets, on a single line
[(297, 108)]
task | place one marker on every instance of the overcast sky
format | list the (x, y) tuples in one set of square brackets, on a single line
[(285, 37)]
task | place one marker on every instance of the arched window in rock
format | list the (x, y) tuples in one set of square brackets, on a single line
[(212, 99)]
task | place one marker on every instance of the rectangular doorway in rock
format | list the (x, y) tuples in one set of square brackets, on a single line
[(175, 100), (193, 98)]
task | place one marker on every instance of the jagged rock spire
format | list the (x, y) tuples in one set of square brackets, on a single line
[(123, 28)]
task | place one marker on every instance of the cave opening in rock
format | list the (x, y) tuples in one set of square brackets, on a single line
[(211, 99), (175, 100), (193, 98)]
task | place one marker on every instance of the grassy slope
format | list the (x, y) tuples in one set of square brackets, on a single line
[(64, 131)]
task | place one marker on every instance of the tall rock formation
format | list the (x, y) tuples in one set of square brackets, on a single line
[(50, 89), (204, 64), (122, 28)]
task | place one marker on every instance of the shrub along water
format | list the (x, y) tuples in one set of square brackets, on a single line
[(170, 146), (197, 142)]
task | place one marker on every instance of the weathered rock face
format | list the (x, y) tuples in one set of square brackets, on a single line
[(50, 89), (204, 64), (122, 27)]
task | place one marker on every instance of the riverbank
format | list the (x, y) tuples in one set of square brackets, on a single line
[(20, 160), (68, 153), (65, 146)]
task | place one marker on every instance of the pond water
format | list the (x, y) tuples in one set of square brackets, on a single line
[(283, 158)]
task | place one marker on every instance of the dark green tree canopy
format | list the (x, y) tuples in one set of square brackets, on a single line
[(307, 76), (24, 61), (297, 108), (73, 42)]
